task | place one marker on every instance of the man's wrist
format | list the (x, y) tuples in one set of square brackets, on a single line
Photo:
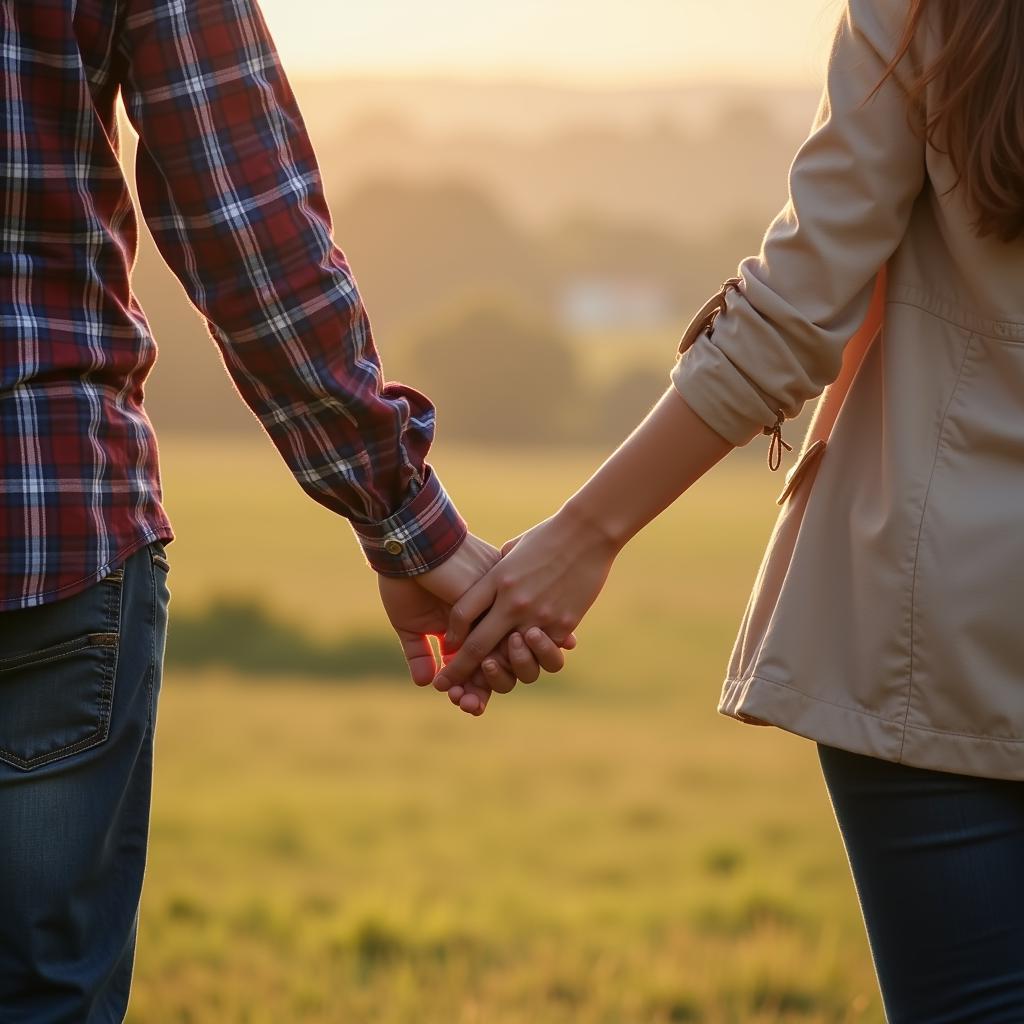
[(420, 536), (466, 565)]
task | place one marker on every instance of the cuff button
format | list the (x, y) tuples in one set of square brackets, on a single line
[(394, 547)]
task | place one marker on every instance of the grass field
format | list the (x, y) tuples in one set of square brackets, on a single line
[(602, 848)]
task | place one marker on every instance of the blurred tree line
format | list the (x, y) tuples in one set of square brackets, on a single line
[(683, 158), (465, 306)]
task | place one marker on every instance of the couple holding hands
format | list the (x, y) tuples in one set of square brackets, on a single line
[(884, 621), (504, 619)]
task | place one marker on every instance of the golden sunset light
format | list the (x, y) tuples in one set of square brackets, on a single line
[(608, 43)]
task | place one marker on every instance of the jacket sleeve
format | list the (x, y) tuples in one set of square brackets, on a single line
[(230, 187), (779, 339)]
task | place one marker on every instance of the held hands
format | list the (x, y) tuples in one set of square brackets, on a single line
[(420, 607), (549, 577), (542, 587)]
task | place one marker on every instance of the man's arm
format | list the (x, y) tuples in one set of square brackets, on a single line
[(230, 187)]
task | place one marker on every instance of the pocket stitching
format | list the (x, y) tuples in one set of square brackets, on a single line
[(55, 652), (105, 701), (940, 441)]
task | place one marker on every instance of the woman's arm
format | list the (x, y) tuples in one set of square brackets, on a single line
[(554, 572), (853, 186), (776, 344)]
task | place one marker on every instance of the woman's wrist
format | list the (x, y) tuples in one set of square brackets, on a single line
[(588, 525), (666, 453)]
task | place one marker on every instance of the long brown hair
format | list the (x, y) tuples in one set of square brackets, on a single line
[(977, 115)]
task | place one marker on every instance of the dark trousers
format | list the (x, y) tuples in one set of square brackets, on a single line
[(938, 863), (79, 681)]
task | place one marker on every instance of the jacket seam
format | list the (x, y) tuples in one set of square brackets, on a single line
[(920, 531), (931, 312), (803, 693), (965, 319)]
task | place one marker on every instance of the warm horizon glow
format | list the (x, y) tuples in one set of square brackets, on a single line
[(642, 42)]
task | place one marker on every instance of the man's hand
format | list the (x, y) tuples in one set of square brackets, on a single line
[(454, 576), (417, 615)]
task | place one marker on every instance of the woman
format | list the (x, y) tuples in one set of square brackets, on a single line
[(885, 622)]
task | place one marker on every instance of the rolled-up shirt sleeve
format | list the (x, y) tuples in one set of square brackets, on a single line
[(779, 340)]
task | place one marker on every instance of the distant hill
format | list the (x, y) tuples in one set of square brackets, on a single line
[(525, 109), (690, 158)]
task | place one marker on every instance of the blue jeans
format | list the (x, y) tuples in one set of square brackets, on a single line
[(938, 863), (79, 680)]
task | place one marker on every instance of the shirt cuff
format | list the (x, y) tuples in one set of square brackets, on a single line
[(720, 393), (420, 536)]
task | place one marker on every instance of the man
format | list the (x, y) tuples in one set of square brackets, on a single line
[(229, 186)]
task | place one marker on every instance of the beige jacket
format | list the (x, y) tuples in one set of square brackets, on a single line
[(887, 616)]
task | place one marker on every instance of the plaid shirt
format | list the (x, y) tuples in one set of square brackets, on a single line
[(229, 185)]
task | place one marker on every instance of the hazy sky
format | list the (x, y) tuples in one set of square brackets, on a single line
[(613, 41)]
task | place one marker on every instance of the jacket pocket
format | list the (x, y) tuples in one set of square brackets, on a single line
[(800, 469), (56, 694)]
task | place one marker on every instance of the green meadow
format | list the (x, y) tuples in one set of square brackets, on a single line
[(600, 848)]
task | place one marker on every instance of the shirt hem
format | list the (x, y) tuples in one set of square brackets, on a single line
[(162, 533)]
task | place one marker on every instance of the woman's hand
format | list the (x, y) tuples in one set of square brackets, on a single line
[(545, 584), (554, 573), (526, 655)]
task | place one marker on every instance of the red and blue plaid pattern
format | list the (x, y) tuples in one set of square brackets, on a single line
[(230, 187)]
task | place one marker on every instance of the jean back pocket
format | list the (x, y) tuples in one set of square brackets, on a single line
[(57, 667)]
